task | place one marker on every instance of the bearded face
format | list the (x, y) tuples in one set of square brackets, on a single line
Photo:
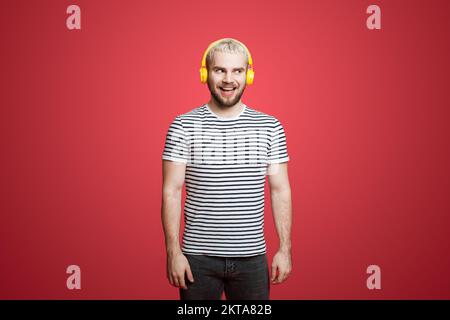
[(227, 78)]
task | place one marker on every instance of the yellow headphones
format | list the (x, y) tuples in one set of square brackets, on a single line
[(204, 71)]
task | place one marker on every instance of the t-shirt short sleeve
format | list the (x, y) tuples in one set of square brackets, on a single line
[(277, 151), (176, 146)]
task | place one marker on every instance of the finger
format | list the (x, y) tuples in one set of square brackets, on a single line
[(170, 277), (274, 272), (181, 282), (175, 282), (288, 274), (189, 274), (276, 280), (173, 278), (281, 277)]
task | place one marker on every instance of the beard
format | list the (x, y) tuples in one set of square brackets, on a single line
[(225, 101)]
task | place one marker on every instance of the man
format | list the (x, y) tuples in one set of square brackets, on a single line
[(222, 152)]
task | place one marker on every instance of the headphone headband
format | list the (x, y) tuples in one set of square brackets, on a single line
[(250, 61)]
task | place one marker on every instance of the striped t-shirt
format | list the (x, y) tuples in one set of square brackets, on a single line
[(226, 161)]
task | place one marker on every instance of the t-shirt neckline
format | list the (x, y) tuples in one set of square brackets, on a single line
[(226, 118)]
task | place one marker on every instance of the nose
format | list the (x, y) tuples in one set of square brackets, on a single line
[(227, 77)]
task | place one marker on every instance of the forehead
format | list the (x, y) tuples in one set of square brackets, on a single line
[(229, 60)]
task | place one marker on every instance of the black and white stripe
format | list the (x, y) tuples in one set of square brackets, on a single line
[(226, 161)]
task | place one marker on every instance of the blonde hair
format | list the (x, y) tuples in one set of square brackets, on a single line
[(227, 45)]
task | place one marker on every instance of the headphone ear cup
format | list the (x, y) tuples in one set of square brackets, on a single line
[(203, 74), (250, 76)]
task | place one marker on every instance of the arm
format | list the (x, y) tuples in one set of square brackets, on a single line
[(177, 264), (280, 194)]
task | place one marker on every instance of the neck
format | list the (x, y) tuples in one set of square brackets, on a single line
[(225, 111)]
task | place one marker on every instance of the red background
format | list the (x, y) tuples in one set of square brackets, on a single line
[(84, 115)]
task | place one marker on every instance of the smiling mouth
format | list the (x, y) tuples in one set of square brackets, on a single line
[(227, 90)]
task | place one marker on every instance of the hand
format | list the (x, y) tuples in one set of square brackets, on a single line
[(177, 267), (281, 266)]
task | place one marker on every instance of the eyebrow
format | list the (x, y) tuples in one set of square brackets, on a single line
[(222, 68)]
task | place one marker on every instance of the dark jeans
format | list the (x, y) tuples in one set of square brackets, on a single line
[(242, 278)]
